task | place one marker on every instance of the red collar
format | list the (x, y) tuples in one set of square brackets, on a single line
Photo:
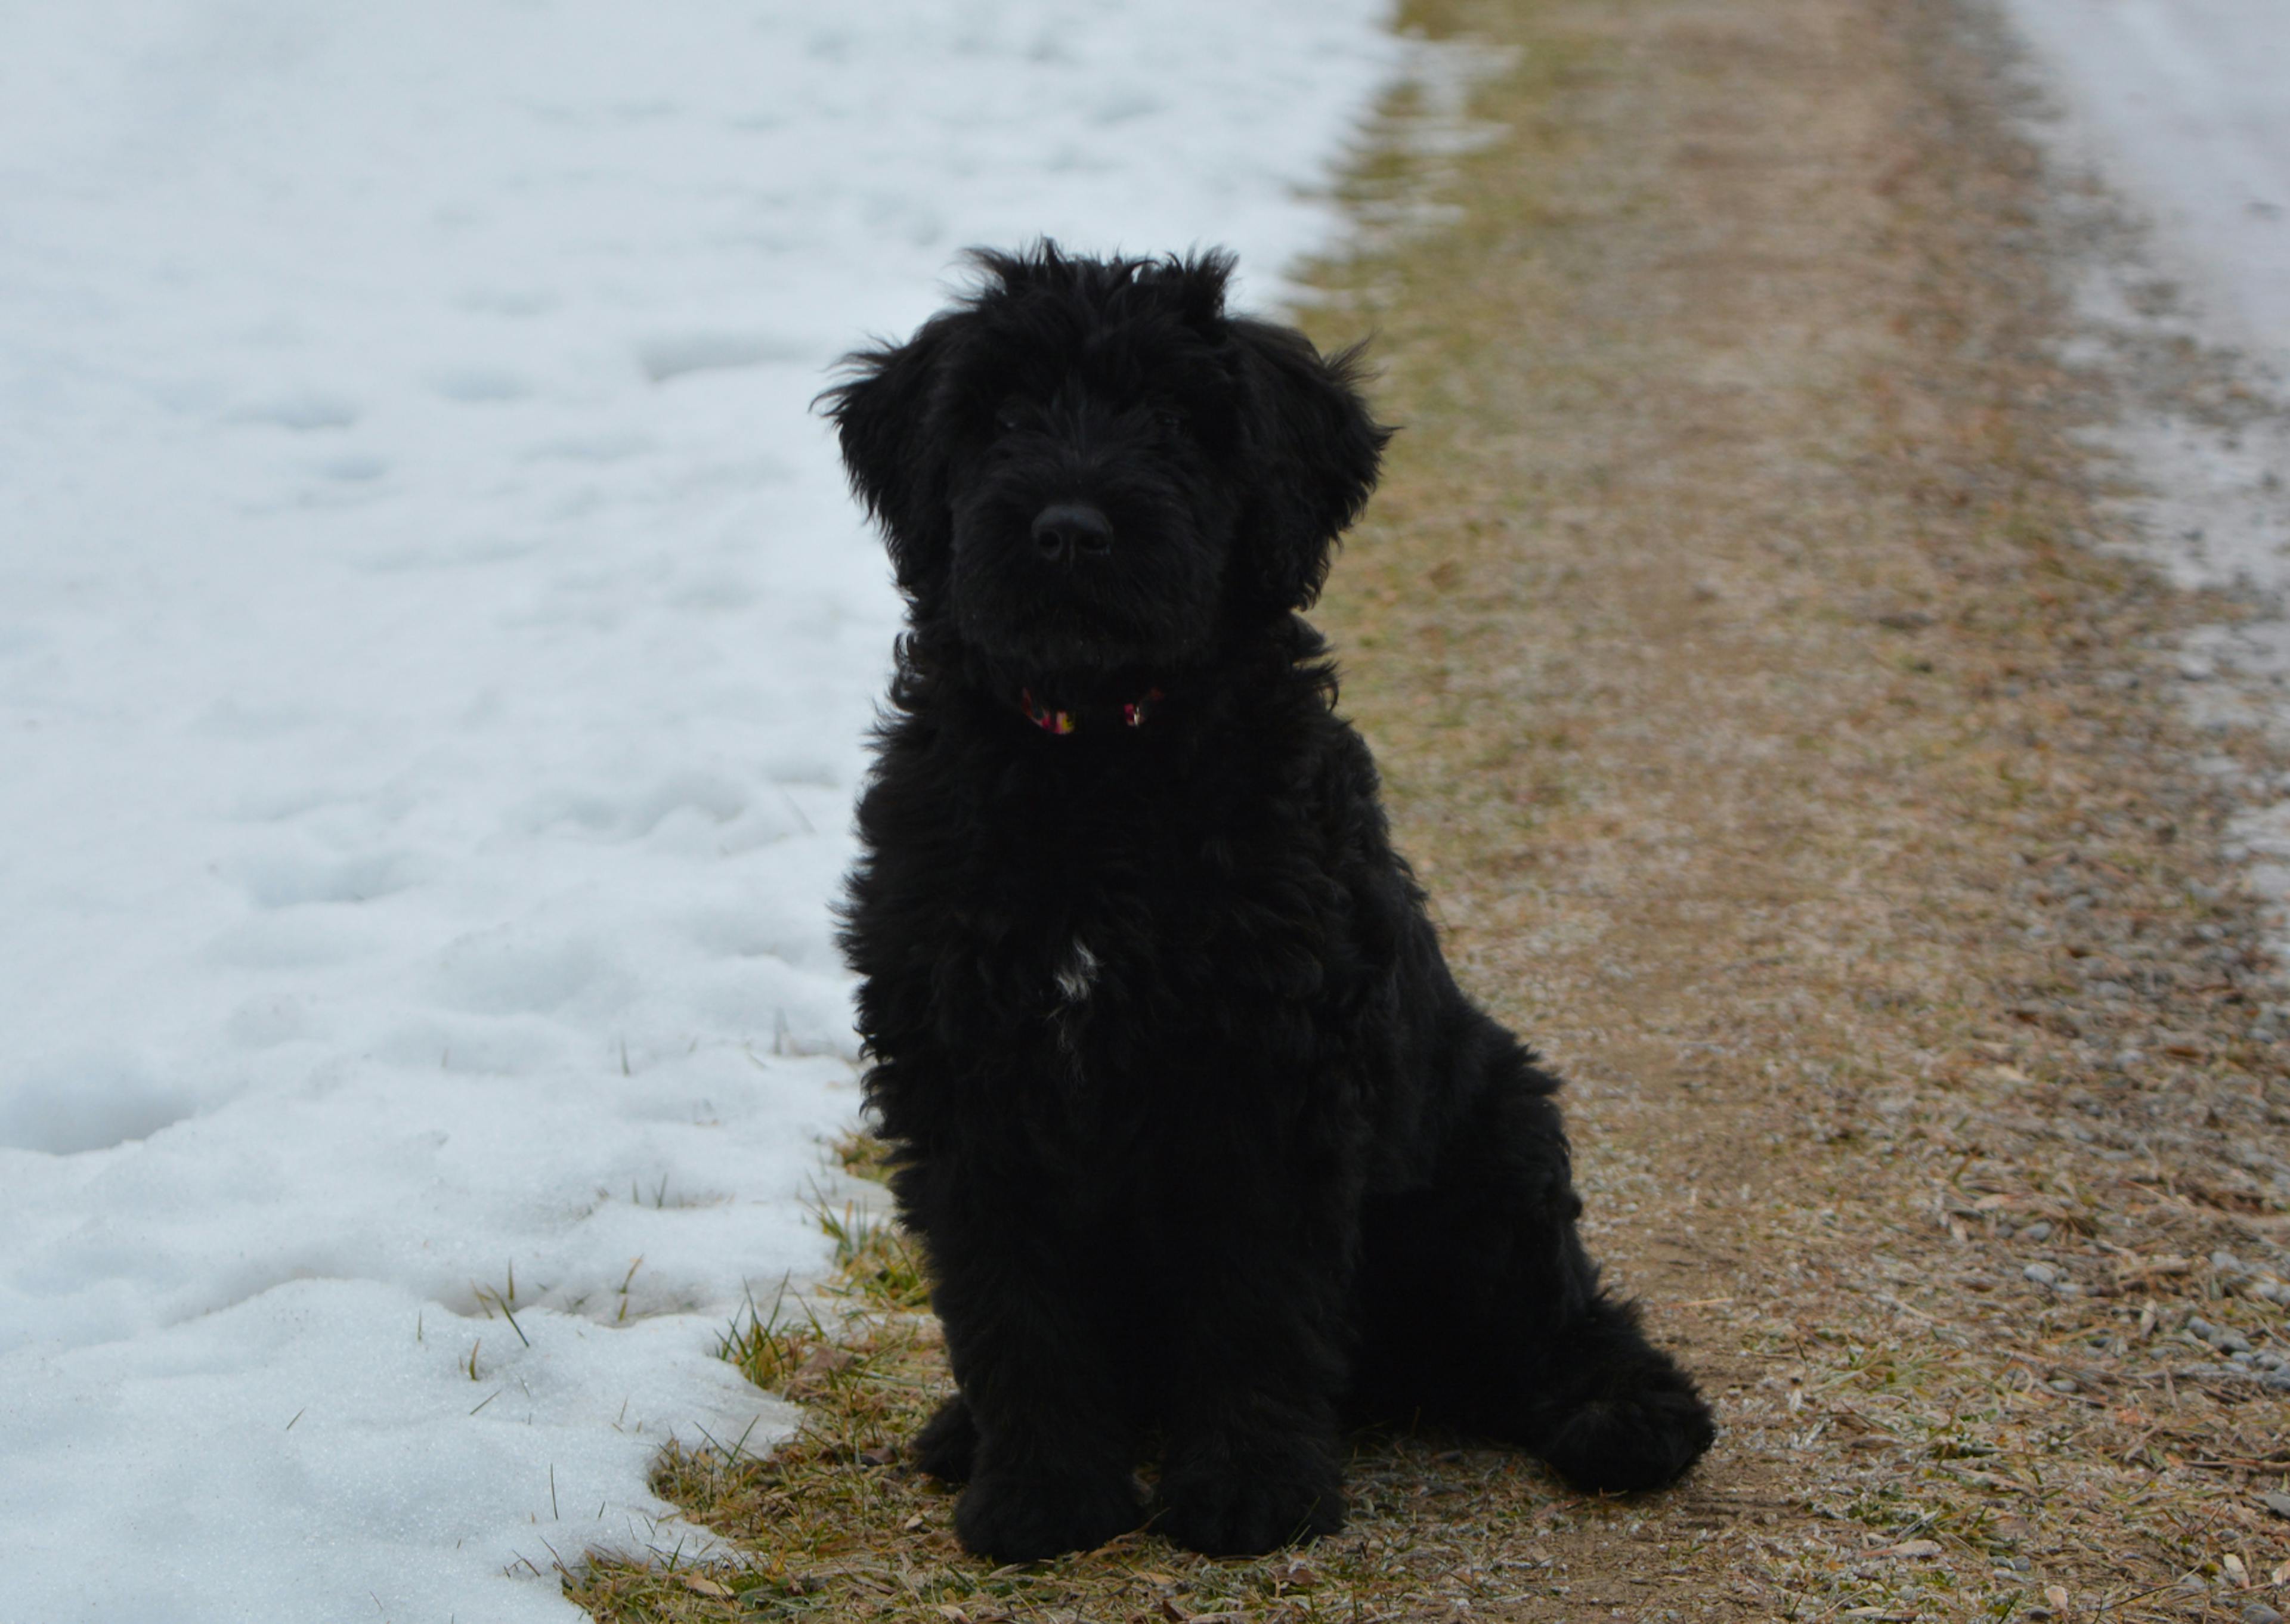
[(1061, 722)]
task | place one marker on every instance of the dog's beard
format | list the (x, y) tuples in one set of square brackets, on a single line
[(1053, 638), (1150, 607)]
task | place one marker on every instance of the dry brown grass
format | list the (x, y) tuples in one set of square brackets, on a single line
[(1763, 726), (835, 1525)]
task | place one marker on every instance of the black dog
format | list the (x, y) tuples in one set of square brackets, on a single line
[(1194, 1126)]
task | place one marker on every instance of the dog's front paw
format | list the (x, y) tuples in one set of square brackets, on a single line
[(1007, 1517), (947, 1447), (1244, 1508)]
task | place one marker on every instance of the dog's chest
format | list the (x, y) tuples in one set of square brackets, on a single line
[(1101, 970), (1100, 922), (1076, 975), (1073, 978)]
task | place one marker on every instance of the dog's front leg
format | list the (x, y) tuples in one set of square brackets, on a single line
[(1253, 1460), (1051, 1468)]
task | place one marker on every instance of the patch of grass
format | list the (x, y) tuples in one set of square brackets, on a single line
[(862, 1156), (837, 1524), (770, 1346), (875, 1258)]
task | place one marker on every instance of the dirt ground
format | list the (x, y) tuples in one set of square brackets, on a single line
[(1791, 758)]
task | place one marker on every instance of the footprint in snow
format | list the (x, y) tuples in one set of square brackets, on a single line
[(476, 386), (304, 412), (294, 879)]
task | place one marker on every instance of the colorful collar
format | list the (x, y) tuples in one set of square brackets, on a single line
[(1061, 722)]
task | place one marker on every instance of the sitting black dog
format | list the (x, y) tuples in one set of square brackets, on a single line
[(1197, 1131)]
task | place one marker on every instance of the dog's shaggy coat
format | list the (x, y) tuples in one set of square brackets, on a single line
[(1197, 1132)]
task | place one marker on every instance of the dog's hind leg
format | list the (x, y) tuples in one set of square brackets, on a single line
[(1479, 1306), (1606, 1409)]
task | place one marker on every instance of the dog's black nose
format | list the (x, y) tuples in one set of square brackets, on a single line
[(1070, 530)]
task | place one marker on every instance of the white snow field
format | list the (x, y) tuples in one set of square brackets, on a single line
[(435, 654), (2182, 108), (2185, 104)]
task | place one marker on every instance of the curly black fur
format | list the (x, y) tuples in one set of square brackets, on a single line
[(1195, 1126)]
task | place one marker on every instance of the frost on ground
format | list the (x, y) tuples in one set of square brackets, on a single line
[(436, 650), (2181, 109)]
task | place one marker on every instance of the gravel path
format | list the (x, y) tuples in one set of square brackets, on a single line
[(1746, 636)]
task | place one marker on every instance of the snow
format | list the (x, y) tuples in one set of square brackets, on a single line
[(436, 655), (2186, 105), (2181, 109)]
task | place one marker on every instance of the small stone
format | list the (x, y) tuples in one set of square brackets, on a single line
[(2040, 1230), (2062, 1384), (2042, 1274), (1910, 1547), (823, 1362), (2227, 1263), (2259, 1612), (2276, 1501), (2276, 1381)]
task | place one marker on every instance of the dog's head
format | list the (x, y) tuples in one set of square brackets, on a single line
[(1087, 466)]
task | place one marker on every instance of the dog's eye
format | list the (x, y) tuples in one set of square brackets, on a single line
[(1170, 419), (1011, 413)]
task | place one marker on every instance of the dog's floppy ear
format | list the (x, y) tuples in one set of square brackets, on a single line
[(882, 416), (1313, 452)]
